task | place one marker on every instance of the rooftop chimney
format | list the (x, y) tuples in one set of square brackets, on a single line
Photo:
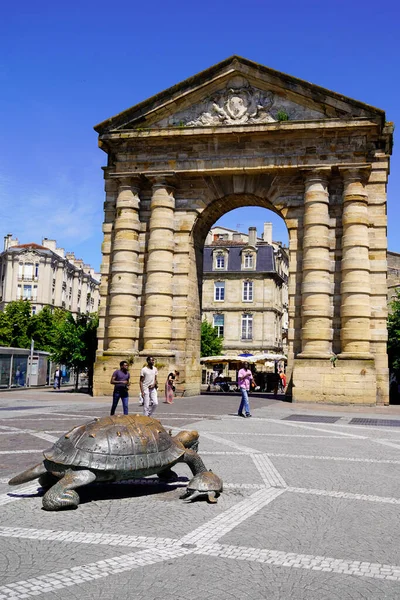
[(7, 240), (50, 244), (237, 236), (268, 233), (252, 236)]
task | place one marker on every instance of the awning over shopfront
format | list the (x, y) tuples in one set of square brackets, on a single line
[(257, 358)]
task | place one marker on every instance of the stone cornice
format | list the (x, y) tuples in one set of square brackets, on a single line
[(280, 127), (281, 169)]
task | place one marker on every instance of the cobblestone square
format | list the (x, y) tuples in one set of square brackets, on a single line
[(309, 509)]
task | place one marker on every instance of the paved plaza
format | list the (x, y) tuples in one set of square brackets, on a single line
[(310, 508)]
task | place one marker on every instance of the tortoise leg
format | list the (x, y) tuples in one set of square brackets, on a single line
[(62, 494), (29, 474), (212, 497), (47, 480), (189, 496), (167, 475)]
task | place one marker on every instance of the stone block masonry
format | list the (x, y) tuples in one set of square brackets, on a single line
[(182, 159)]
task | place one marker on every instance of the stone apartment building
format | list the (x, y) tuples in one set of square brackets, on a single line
[(245, 290), (393, 277), (46, 275)]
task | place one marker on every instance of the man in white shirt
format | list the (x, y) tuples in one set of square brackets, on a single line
[(148, 387)]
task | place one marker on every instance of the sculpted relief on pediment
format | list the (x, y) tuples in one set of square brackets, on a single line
[(237, 104)]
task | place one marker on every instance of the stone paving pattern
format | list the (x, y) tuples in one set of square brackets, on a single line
[(309, 510)]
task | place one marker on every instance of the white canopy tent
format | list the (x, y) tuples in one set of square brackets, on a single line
[(257, 358)]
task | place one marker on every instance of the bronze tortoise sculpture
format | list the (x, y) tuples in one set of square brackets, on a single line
[(118, 448)]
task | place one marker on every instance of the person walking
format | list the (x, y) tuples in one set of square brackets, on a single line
[(120, 381), (170, 387), (282, 384), (245, 377), (57, 379), (148, 387)]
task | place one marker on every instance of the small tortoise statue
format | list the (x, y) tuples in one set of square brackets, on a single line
[(118, 448)]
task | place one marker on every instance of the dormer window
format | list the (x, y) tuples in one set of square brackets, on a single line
[(248, 261), (220, 260)]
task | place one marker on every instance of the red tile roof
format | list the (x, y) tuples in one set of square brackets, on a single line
[(31, 245)]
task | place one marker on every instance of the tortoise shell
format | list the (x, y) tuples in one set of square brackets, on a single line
[(205, 482), (117, 443)]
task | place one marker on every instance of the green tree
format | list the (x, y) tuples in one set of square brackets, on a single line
[(75, 343), (42, 329), (211, 344), (394, 335), (15, 323), (5, 330)]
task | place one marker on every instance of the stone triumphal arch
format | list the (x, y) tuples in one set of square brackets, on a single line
[(242, 134)]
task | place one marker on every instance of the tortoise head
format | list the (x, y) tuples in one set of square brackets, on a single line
[(189, 439)]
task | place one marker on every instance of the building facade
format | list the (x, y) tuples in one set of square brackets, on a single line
[(393, 279), (47, 276), (242, 134), (245, 290)]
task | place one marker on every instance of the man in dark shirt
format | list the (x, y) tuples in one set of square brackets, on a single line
[(120, 381)]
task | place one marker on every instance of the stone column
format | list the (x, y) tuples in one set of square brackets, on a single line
[(316, 286), (159, 270), (111, 188), (124, 309), (355, 311)]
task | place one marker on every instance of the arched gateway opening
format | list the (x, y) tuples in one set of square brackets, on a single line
[(240, 134), (249, 322), (243, 272)]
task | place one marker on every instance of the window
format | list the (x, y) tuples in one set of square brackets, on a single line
[(247, 291), (218, 322), (248, 261), (34, 310), (220, 262), (219, 290), (28, 271), (36, 270), (247, 327), (27, 292), (20, 270)]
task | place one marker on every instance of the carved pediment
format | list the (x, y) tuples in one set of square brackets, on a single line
[(235, 92), (29, 256), (238, 103)]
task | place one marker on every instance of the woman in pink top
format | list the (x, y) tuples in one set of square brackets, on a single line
[(245, 376)]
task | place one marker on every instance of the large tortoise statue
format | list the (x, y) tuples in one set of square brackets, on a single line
[(118, 448)]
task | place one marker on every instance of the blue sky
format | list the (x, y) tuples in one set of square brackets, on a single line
[(66, 66)]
